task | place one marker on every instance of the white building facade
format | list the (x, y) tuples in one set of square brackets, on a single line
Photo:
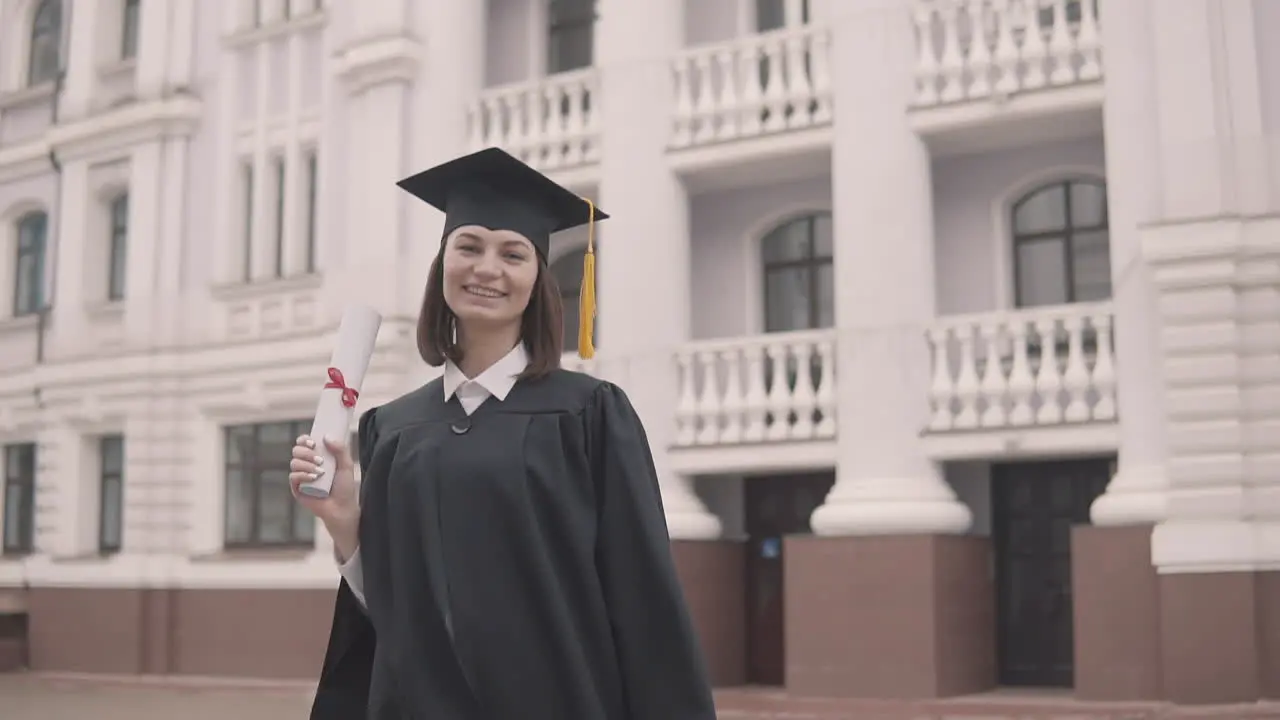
[(955, 324)]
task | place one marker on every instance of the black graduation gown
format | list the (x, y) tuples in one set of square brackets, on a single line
[(516, 566)]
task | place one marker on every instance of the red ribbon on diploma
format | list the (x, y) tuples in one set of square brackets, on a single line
[(336, 381)]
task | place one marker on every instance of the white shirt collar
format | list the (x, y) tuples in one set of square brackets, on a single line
[(497, 380)]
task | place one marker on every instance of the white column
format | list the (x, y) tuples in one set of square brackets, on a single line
[(1139, 491), (377, 66), (645, 244), (1212, 243), (451, 80), (68, 236), (884, 268), (81, 62)]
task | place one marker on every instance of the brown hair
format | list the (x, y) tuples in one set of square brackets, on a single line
[(541, 328)]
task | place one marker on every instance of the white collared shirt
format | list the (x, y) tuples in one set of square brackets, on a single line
[(496, 381)]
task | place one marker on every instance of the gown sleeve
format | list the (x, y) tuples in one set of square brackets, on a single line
[(661, 664), (343, 691)]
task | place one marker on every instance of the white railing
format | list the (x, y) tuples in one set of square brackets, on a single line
[(749, 390), (766, 83), (1040, 366), (973, 49), (549, 123)]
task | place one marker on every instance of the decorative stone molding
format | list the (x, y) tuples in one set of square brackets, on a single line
[(128, 125), (1220, 309), (378, 61)]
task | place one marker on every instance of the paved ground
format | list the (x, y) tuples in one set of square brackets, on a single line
[(29, 698), (26, 697)]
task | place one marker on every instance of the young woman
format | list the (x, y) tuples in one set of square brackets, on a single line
[(506, 555)]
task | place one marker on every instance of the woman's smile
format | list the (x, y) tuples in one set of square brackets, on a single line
[(481, 291)]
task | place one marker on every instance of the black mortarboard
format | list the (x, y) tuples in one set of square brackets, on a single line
[(492, 189), (495, 190)]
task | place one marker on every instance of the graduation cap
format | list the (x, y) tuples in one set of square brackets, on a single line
[(495, 190)]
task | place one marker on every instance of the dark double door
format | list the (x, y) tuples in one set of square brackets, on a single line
[(1034, 505), (775, 506)]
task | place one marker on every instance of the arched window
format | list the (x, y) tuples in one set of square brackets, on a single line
[(1061, 244), (28, 275), (118, 247), (567, 270), (799, 288), (46, 43)]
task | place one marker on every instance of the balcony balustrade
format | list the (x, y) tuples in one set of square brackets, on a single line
[(979, 49), (549, 123), (1035, 367), (765, 388), (756, 85)]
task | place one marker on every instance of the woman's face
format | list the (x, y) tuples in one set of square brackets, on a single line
[(488, 275)]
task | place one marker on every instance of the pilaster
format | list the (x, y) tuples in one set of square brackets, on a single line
[(63, 470), (376, 65), (81, 67), (146, 181), (158, 42), (1214, 263), (68, 233)]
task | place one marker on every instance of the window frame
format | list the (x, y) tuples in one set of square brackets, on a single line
[(25, 477), (108, 476), (312, 208), (812, 262), (46, 21), (32, 230), (252, 465), (130, 26), (247, 180), (564, 18), (118, 247), (1067, 233), (280, 172)]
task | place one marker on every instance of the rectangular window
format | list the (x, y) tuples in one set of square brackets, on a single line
[(129, 30), (313, 179), (111, 494), (777, 14), (118, 250), (278, 164), (45, 54), (19, 499), (28, 281), (260, 510), (570, 35), (246, 175)]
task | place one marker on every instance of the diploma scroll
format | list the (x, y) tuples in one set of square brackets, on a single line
[(342, 381)]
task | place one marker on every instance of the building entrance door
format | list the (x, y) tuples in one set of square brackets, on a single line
[(775, 506), (1034, 505)]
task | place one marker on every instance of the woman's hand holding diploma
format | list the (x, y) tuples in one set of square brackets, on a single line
[(340, 511)]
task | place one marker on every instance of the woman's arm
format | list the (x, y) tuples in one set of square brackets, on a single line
[(658, 651)]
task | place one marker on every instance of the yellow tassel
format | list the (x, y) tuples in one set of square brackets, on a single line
[(587, 298)]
